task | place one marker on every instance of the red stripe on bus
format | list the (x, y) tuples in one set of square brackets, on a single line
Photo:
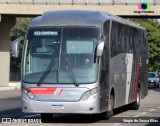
[(42, 90), (61, 91)]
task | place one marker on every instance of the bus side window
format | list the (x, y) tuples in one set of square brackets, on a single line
[(113, 40), (107, 48), (116, 39)]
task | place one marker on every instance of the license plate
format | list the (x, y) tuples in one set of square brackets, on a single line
[(57, 107)]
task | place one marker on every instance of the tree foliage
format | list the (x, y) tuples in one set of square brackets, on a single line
[(18, 30), (153, 31)]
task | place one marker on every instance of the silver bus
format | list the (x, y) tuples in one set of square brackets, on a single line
[(82, 62)]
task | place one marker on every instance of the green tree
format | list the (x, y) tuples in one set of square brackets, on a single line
[(153, 31), (18, 30)]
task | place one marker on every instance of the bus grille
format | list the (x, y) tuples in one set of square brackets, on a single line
[(57, 100)]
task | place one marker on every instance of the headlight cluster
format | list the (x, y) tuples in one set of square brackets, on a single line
[(89, 93), (157, 80), (29, 94)]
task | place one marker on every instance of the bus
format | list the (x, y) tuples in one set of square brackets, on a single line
[(82, 62)]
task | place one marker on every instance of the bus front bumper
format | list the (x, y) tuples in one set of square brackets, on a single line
[(89, 106)]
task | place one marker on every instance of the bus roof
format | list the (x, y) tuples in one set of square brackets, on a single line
[(77, 18)]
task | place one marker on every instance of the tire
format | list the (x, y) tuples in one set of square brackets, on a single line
[(46, 117), (109, 113), (158, 85), (135, 105)]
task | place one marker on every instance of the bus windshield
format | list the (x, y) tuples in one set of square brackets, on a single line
[(47, 49)]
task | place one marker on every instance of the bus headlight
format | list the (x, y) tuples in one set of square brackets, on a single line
[(89, 93), (29, 94)]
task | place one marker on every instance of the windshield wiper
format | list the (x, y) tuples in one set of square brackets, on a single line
[(46, 72), (71, 71)]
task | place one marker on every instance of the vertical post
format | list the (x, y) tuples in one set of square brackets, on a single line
[(5, 25)]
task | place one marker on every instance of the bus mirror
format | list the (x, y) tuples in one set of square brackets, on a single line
[(15, 46), (99, 50)]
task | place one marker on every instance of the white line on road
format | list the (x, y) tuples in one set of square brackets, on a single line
[(30, 116), (152, 110), (117, 124), (136, 116), (158, 107), (143, 113)]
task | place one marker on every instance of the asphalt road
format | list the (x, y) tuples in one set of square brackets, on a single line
[(149, 111)]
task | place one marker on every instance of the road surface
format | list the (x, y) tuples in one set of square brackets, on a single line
[(149, 111)]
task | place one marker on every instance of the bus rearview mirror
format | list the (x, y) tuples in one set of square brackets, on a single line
[(15, 46), (99, 50)]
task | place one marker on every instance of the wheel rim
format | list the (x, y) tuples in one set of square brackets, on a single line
[(110, 103)]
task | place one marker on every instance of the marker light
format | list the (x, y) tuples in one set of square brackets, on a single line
[(29, 94)]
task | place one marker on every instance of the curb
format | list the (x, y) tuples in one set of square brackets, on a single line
[(12, 86), (6, 88)]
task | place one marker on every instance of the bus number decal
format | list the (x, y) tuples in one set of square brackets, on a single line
[(74, 93)]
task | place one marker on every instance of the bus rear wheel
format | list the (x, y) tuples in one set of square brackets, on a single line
[(135, 105), (46, 117)]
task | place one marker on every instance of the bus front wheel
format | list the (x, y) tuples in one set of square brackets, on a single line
[(111, 105), (109, 113)]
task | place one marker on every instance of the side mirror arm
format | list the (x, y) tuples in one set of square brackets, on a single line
[(15, 46)]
